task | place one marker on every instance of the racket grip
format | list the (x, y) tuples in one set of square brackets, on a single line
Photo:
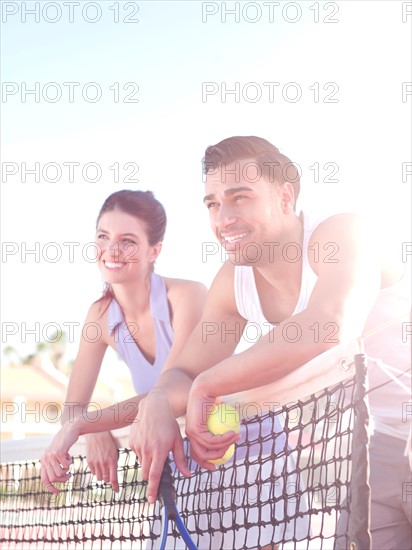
[(167, 492)]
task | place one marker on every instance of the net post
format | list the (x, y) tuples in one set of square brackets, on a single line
[(359, 536)]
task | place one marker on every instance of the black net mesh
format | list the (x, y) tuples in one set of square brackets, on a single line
[(291, 495)]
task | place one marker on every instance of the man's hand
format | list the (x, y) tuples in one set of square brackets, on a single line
[(56, 460), (204, 446), (102, 457), (153, 434)]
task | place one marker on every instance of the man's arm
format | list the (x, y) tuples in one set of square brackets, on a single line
[(156, 432), (343, 296), (214, 338)]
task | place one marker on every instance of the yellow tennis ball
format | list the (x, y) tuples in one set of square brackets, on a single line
[(228, 454), (221, 419)]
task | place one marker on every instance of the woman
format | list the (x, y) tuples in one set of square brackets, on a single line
[(146, 318)]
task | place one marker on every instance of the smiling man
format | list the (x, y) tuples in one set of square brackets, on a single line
[(283, 268)]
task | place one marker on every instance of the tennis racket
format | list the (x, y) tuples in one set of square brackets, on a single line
[(167, 497)]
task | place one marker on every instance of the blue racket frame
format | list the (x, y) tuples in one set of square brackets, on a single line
[(167, 497)]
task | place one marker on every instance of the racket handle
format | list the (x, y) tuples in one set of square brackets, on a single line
[(167, 492)]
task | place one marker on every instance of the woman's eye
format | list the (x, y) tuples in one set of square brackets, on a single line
[(102, 236)]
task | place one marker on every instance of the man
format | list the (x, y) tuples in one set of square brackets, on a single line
[(282, 268)]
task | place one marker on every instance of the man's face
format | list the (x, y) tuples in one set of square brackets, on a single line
[(246, 210)]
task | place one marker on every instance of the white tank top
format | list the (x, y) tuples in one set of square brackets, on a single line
[(388, 350)]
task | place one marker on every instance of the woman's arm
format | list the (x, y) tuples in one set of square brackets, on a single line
[(81, 385), (186, 300), (86, 366), (101, 448)]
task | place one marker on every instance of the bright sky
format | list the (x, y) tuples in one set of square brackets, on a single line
[(332, 95)]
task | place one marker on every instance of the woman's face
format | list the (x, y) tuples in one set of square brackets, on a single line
[(124, 252)]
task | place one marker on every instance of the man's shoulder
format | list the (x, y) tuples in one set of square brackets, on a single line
[(349, 240), (341, 222)]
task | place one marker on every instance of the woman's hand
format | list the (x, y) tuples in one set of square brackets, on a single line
[(203, 445), (102, 453), (153, 434), (56, 460)]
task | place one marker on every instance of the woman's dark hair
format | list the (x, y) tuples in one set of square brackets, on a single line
[(143, 206)]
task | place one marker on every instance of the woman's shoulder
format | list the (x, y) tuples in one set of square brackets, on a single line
[(95, 327), (186, 300), (177, 288), (99, 310)]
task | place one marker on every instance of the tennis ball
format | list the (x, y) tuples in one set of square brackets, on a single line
[(221, 419), (228, 454)]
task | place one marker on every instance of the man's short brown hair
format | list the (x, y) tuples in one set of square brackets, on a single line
[(274, 166)]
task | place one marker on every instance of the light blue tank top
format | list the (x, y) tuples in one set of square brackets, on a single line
[(144, 374)]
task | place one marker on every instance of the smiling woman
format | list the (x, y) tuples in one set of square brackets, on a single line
[(146, 318), (130, 230)]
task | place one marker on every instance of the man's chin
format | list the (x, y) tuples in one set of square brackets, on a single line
[(236, 258), (243, 255)]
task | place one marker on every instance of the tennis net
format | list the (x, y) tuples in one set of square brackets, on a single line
[(290, 487)]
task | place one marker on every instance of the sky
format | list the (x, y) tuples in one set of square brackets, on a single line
[(110, 95)]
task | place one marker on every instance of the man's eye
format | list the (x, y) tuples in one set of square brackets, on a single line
[(128, 241), (211, 205), (239, 197), (101, 236)]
